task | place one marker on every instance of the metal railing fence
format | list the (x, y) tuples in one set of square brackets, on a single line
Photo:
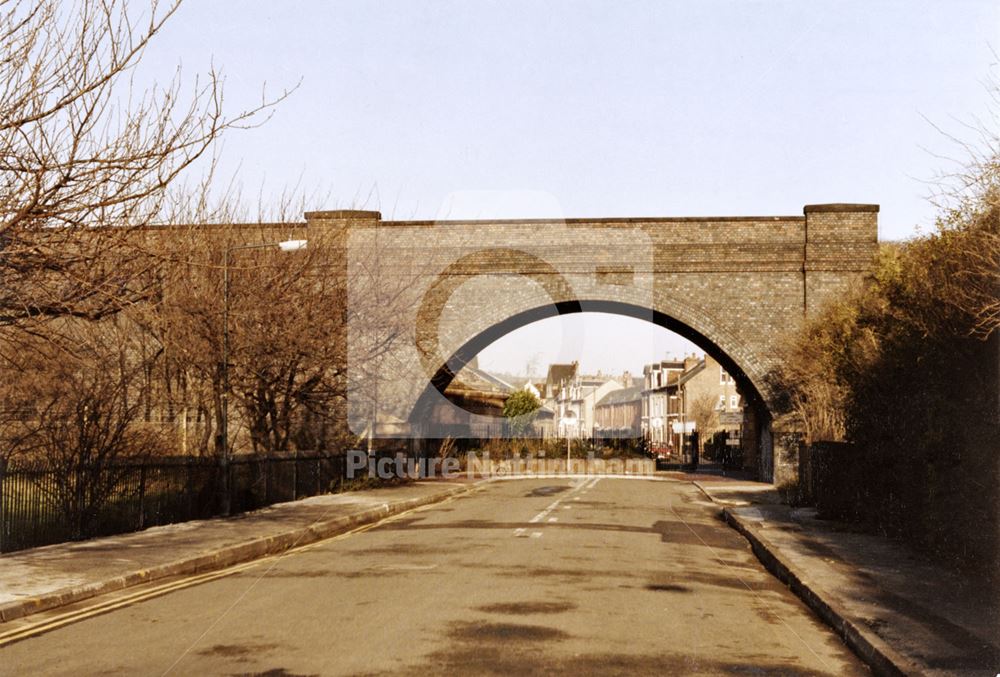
[(41, 504)]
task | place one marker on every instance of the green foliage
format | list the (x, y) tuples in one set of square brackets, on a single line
[(520, 410)]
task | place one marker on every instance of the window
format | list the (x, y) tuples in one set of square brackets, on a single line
[(724, 378), (722, 402), (734, 401)]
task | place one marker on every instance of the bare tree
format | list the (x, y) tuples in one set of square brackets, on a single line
[(84, 157), (89, 169), (288, 319), (705, 414), (78, 414), (21, 388)]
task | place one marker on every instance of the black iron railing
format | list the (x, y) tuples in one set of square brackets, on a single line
[(41, 504)]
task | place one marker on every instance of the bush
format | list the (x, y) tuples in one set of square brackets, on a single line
[(520, 410), (905, 369)]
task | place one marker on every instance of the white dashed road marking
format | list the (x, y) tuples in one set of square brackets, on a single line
[(582, 488)]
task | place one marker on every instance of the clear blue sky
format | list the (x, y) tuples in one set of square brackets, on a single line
[(607, 108)]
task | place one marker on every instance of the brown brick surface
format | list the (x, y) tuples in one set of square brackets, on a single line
[(739, 282)]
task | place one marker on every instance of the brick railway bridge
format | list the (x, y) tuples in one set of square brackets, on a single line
[(732, 285)]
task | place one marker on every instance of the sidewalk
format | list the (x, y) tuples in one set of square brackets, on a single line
[(899, 612), (44, 578)]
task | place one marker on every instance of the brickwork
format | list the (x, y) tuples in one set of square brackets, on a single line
[(735, 285)]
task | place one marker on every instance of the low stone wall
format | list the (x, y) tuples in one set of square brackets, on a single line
[(789, 459)]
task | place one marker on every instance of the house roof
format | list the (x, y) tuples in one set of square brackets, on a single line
[(473, 378), (498, 382), (560, 372), (597, 381), (663, 364), (476, 401), (691, 373), (621, 396), (517, 382)]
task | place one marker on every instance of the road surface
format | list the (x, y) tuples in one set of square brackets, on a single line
[(540, 576)]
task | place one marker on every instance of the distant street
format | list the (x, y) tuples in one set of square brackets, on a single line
[(545, 576)]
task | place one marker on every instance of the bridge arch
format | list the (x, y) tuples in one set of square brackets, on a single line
[(447, 371), (758, 409)]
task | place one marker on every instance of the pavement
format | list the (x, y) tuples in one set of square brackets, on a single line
[(543, 576), (899, 611), (56, 575)]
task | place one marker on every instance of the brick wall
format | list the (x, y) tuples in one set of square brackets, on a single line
[(735, 285)]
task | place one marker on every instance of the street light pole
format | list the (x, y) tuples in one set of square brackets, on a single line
[(566, 420), (224, 414), (684, 424), (285, 246)]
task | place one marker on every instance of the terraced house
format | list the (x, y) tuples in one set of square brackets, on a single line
[(690, 399), (618, 416)]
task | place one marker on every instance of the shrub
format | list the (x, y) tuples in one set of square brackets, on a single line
[(905, 368)]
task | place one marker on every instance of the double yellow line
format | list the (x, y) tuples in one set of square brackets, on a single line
[(111, 605), (70, 617)]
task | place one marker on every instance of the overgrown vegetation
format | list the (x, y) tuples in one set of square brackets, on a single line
[(906, 370)]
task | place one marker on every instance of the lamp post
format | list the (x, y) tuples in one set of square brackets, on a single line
[(684, 453), (566, 421), (285, 246)]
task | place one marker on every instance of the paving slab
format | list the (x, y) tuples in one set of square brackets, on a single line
[(901, 612), (44, 578)]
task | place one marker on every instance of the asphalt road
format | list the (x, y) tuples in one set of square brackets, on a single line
[(546, 576)]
